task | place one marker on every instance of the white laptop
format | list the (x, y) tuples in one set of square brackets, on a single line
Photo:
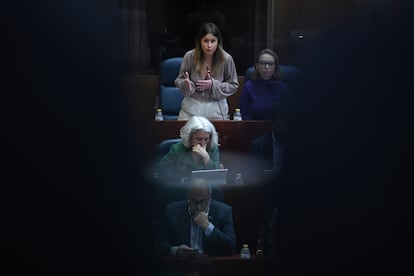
[(214, 176)]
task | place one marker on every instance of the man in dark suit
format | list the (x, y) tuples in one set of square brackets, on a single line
[(199, 224)]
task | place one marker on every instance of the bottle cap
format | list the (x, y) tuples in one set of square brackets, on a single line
[(237, 109), (158, 109), (245, 245)]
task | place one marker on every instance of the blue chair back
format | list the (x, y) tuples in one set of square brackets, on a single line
[(170, 95), (290, 74), (163, 147)]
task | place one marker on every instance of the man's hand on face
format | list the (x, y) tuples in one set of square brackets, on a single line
[(201, 219)]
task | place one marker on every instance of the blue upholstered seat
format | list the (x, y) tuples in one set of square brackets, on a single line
[(170, 95), (163, 147), (290, 74)]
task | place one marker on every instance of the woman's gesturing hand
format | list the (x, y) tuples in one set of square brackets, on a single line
[(189, 83), (204, 84)]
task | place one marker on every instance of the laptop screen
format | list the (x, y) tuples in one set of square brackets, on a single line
[(214, 176)]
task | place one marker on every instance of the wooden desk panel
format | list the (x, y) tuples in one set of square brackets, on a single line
[(224, 265), (234, 136)]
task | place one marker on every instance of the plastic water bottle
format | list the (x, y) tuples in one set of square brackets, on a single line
[(238, 179), (158, 115), (260, 246), (245, 252), (237, 115)]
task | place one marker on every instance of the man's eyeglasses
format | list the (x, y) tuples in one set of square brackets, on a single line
[(199, 202), (264, 63)]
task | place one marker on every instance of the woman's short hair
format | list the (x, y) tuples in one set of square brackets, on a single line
[(195, 124)]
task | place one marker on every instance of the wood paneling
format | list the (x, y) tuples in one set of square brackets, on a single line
[(234, 138), (143, 91)]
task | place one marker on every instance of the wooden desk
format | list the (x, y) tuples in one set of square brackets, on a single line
[(233, 135), (234, 138), (225, 265)]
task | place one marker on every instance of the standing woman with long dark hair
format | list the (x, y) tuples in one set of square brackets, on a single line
[(207, 77)]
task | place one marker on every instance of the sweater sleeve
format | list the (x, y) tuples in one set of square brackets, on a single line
[(228, 86), (214, 162), (186, 66)]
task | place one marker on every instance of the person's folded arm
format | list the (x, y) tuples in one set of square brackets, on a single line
[(228, 86), (222, 239), (214, 162)]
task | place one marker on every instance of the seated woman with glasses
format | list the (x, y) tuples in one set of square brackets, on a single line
[(197, 224), (264, 89), (198, 150)]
